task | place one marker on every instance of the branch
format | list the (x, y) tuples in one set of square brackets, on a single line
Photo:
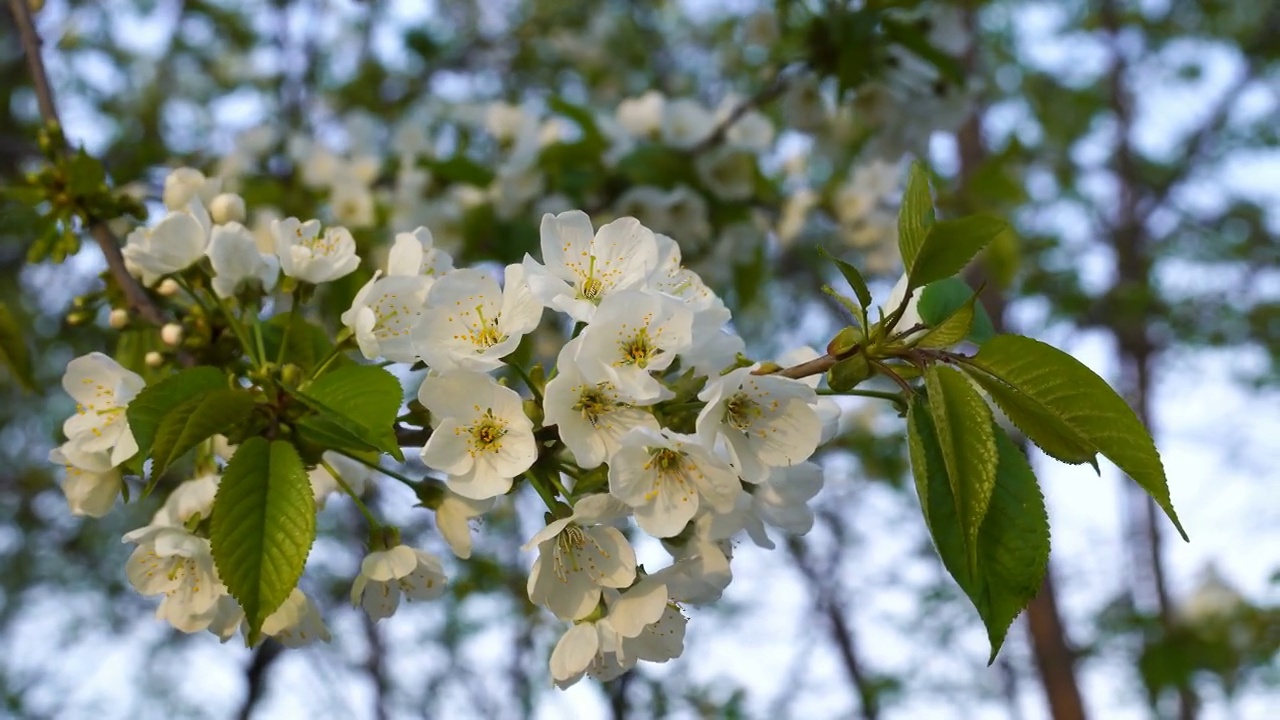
[(766, 94), (826, 601), (256, 676), (134, 294)]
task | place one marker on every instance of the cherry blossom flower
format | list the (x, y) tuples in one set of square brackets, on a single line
[(175, 243), (307, 255), (234, 254), (172, 562), (578, 556), (591, 417), (665, 477), (385, 575), (634, 333), (482, 438), (471, 323), (90, 491), (102, 389), (766, 420), (384, 315), (583, 267)]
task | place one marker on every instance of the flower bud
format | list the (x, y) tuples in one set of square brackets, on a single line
[(171, 334), (118, 318), (153, 359), (227, 207), (291, 374), (168, 287)]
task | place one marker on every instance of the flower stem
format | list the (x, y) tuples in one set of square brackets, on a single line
[(364, 509), (543, 491), (378, 468), (232, 321), (528, 381)]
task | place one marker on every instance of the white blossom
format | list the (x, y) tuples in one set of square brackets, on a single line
[(227, 208), (172, 562), (90, 491), (190, 499), (666, 477), (234, 254), (766, 420), (591, 417), (634, 333), (175, 243), (601, 646), (356, 475), (102, 390), (578, 556), (414, 253), (471, 323), (297, 622), (384, 315), (642, 116), (453, 520), (184, 184), (307, 255), (685, 123), (482, 438), (385, 575), (585, 267)]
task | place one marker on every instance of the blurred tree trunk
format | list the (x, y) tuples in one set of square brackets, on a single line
[(1130, 303), (1054, 655)]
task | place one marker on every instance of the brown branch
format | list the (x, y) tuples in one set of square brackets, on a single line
[(134, 294), (255, 675), (826, 599), (816, 366), (765, 95), (1136, 347)]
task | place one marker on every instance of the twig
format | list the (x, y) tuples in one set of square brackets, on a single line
[(826, 600), (255, 676), (134, 294), (765, 95), (816, 366)]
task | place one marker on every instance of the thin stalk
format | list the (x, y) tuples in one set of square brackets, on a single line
[(375, 466), (364, 509), (232, 321), (528, 382)]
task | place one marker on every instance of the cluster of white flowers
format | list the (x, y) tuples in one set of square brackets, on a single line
[(657, 417)]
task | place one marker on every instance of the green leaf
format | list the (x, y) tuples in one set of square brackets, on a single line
[(582, 117), (1063, 406), (356, 404), (263, 525), (950, 245), (954, 328), (14, 352), (963, 424), (853, 277), (196, 420), (307, 343), (148, 409), (940, 300), (916, 214), (1058, 439), (1013, 542)]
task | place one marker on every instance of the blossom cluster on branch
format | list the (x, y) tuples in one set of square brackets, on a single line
[(650, 421)]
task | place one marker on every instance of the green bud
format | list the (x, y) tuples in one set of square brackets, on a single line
[(291, 375), (844, 342), (848, 373), (430, 493)]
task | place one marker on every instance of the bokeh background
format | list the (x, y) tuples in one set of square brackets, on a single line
[(1134, 144)]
